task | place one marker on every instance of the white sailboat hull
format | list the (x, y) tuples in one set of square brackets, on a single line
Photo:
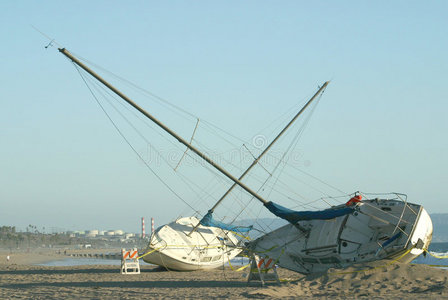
[(380, 229), (160, 258), (172, 247)]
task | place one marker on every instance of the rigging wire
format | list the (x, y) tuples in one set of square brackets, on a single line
[(162, 100), (213, 126), (262, 188), (293, 143), (320, 180), (253, 176), (167, 103), (182, 177), (173, 106), (281, 119), (280, 181), (127, 141), (52, 41)]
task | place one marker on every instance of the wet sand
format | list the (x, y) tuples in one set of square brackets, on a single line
[(19, 279)]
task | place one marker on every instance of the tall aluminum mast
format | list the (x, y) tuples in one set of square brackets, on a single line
[(264, 151), (271, 144), (161, 125)]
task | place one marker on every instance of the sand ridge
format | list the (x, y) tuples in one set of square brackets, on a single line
[(395, 281), (22, 280)]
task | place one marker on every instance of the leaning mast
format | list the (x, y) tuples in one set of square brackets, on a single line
[(163, 126), (270, 145), (256, 160)]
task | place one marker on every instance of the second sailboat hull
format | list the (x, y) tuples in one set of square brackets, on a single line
[(173, 247)]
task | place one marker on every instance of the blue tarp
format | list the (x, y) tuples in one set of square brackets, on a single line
[(208, 220), (293, 216)]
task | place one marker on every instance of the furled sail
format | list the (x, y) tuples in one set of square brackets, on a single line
[(293, 216), (208, 220)]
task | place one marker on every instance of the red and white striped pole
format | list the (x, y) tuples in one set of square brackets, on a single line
[(152, 226), (143, 227)]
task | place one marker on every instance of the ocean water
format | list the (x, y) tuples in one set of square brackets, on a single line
[(438, 249), (430, 260), (69, 262)]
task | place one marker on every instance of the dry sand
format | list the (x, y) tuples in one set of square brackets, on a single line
[(25, 258), (21, 280), (395, 281)]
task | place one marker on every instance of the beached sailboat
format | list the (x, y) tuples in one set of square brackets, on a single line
[(191, 244), (361, 230)]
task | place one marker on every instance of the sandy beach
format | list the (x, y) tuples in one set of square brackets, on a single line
[(20, 278)]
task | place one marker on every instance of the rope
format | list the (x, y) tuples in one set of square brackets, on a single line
[(241, 236), (239, 269), (394, 261), (375, 268), (147, 253), (435, 255)]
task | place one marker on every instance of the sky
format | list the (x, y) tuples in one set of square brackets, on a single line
[(380, 126)]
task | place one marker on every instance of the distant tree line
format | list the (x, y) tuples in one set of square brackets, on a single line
[(32, 238)]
